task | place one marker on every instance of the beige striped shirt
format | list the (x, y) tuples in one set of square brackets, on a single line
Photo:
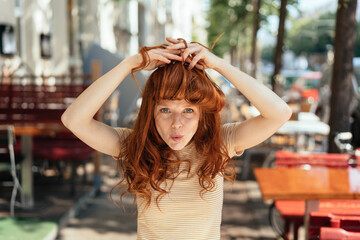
[(184, 213)]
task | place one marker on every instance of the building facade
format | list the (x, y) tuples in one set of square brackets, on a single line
[(51, 37)]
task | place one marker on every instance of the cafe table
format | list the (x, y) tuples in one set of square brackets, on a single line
[(311, 184), (304, 131), (305, 128), (27, 132)]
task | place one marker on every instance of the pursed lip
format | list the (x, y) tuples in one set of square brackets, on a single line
[(176, 137)]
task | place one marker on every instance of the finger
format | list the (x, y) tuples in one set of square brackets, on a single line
[(173, 51), (177, 46), (166, 52), (162, 59), (172, 40), (198, 65), (172, 56), (196, 59), (191, 51), (169, 54)]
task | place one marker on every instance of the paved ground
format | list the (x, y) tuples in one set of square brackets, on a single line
[(244, 214), (52, 198)]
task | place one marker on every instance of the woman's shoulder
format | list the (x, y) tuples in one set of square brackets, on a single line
[(228, 128), (228, 133), (123, 132)]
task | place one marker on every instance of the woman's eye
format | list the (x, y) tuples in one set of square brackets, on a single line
[(189, 110), (164, 110)]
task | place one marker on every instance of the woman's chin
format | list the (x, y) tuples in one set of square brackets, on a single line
[(176, 146)]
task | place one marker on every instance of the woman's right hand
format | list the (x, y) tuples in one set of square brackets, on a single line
[(157, 57)]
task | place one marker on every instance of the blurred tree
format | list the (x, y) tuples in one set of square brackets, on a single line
[(279, 48), (236, 19), (341, 84), (275, 78), (310, 35), (256, 25), (230, 17)]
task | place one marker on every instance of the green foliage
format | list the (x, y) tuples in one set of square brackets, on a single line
[(235, 19), (310, 35), (230, 17)]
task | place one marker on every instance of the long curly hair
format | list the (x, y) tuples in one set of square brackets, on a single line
[(145, 159)]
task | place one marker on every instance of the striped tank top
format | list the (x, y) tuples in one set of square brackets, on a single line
[(184, 213)]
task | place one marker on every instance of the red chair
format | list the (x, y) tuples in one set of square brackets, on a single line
[(319, 220), (332, 160), (292, 212), (327, 233)]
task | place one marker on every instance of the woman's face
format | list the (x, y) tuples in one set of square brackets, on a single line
[(176, 122)]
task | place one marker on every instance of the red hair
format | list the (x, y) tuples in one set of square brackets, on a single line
[(145, 159)]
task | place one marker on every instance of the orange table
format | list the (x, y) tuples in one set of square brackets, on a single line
[(27, 132), (297, 183), (311, 185)]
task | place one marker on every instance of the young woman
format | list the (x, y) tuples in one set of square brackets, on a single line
[(177, 154)]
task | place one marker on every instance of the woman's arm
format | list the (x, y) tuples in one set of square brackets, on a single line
[(78, 117), (274, 112)]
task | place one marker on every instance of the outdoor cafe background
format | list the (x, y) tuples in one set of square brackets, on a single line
[(46, 63)]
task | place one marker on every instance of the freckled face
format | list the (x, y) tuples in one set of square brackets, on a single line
[(176, 122)]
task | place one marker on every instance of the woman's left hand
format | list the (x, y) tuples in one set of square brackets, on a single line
[(194, 54)]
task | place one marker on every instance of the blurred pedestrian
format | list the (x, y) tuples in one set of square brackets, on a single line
[(176, 156)]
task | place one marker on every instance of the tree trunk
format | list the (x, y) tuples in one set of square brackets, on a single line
[(278, 49), (254, 50), (341, 84), (234, 56)]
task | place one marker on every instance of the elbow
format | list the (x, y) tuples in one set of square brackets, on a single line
[(67, 120), (287, 112), (283, 113), (72, 121)]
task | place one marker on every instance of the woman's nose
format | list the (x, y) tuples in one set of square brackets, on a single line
[(176, 121)]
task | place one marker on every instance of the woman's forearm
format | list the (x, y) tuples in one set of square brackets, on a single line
[(266, 101), (83, 109)]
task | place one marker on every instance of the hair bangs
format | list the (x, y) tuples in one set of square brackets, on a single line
[(170, 82), (175, 82)]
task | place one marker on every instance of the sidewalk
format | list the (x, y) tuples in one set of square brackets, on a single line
[(100, 218), (245, 216)]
